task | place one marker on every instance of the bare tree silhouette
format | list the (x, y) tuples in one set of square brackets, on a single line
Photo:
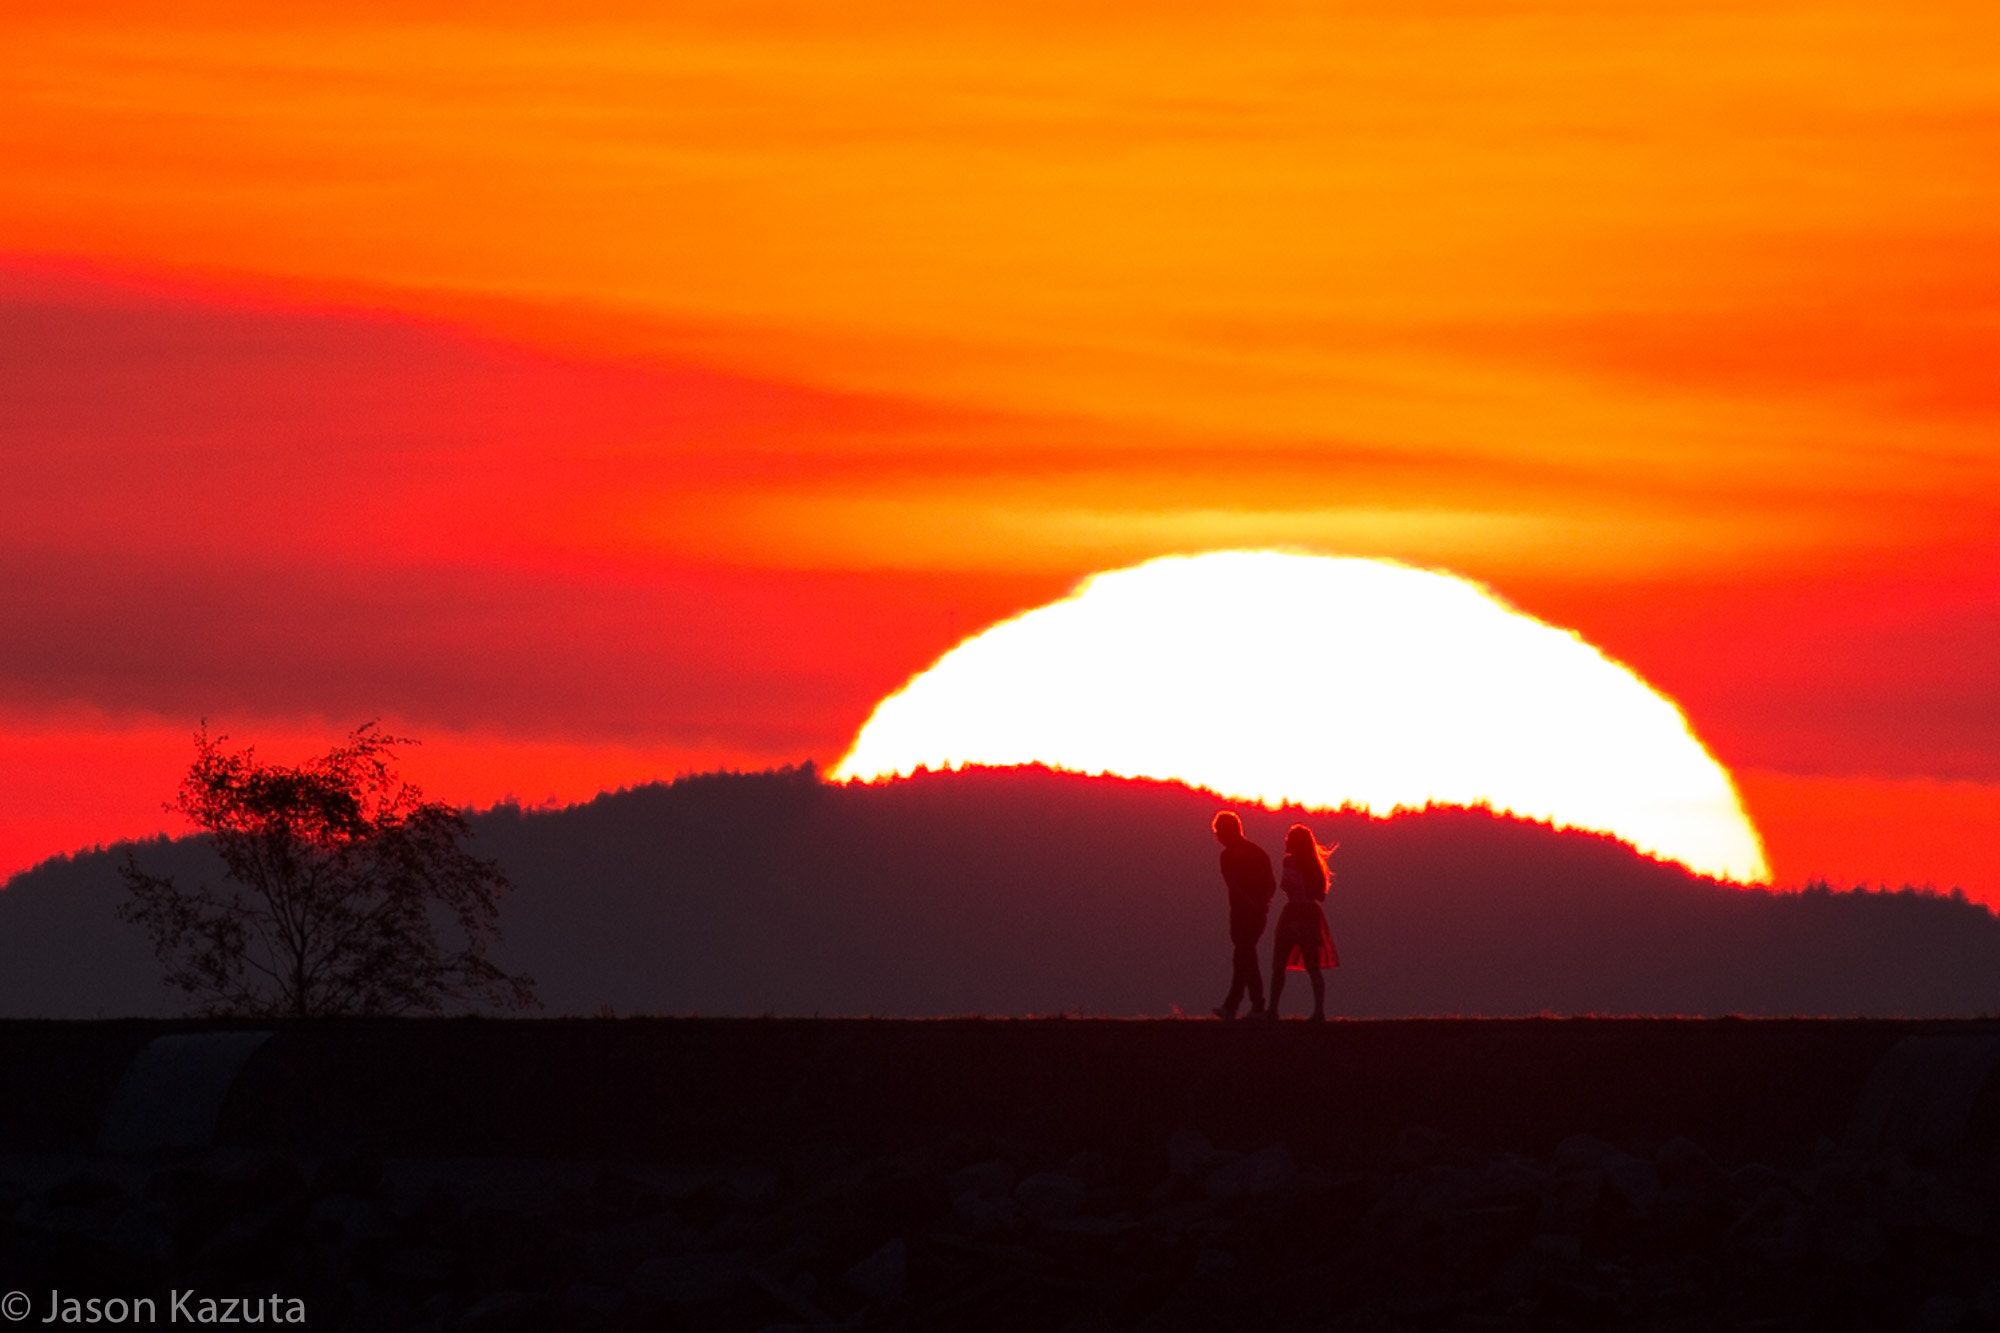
[(345, 885)]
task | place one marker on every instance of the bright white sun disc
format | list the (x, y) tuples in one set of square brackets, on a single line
[(1322, 681)]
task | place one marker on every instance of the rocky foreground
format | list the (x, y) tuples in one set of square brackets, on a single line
[(992, 1219), (991, 1234)]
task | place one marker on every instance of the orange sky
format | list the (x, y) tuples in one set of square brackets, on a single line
[(598, 395)]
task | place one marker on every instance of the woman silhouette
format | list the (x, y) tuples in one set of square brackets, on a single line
[(1302, 939)]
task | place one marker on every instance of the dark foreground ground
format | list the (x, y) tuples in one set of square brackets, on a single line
[(1044, 1174)]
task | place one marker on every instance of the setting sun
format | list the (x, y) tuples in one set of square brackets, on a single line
[(1277, 677)]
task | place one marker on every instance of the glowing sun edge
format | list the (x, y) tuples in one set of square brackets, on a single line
[(1442, 695)]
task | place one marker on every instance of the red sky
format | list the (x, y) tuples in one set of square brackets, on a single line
[(599, 396)]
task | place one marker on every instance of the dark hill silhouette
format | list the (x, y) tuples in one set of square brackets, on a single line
[(1028, 891)]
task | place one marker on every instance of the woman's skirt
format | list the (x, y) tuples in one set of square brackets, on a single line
[(1302, 935)]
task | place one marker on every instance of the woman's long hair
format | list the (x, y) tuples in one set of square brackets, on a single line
[(1302, 847)]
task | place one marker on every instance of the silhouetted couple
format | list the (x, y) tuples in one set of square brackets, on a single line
[(1301, 942)]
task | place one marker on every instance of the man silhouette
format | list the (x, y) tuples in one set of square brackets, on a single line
[(1246, 870)]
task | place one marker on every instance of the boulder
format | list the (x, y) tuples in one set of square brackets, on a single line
[(1987, 1302), (503, 1312), (1952, 1204), (1049, 1196), (1633, 1179), (1212, 1261), (1189, 1154), (1506, 1180), (142, 1234), (1268, 1171), (685, 1279), (607, 1256), (1941, 1314), (1681, 1161), (1581, 1150), (883, 1276), (587, 1298), (347, 1173), (350, 1218), (983, 1215), (1569, 1204), (1418, 1145), (992, 1179)]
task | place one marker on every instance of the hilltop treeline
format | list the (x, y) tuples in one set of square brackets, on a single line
[(1027, 891)]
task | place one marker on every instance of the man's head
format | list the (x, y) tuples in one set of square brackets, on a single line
[(1228, 828)]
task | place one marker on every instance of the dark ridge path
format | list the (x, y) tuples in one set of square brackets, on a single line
[(663, 1089), (1338, 1094)]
